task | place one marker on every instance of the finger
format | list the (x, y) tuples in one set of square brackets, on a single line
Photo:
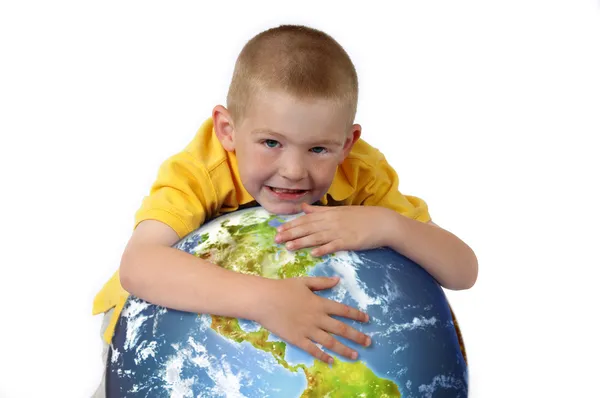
[(300, 230), (319, 336), (302, 220), (311, 240), (313, 209), (345, 311), (320, 282), (293, 231), (328, 248), (313, 350), (342, 329)]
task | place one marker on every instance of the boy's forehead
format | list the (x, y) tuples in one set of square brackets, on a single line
[(285, 115)]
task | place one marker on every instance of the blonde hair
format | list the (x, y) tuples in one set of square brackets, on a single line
[(300, 61)]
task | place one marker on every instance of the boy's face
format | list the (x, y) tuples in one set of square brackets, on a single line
[(288, 150)]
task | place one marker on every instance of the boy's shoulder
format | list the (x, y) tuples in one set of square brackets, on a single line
[(364, 169), (365, 153), (205, 147)]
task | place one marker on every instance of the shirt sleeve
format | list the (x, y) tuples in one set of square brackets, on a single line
[(383, 190), (182, 196)]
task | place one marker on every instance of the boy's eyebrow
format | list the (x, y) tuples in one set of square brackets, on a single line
[(265, 131), (276, 134)]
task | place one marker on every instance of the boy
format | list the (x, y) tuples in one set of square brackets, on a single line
[(286, 141)]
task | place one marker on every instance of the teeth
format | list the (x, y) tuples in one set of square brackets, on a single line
[(281, 190)]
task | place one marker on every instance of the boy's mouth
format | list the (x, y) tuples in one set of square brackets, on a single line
[(289, 194), (284, 190)]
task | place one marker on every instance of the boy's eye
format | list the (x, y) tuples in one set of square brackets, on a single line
[(271, 143), (318, 149)]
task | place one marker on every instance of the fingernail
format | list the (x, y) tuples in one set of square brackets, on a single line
[(330, 361), (354, 355), (368, 343)]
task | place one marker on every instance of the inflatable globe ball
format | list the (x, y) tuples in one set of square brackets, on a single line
[(416, 349)]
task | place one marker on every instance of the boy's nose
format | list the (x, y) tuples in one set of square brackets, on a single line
[(292, 169)]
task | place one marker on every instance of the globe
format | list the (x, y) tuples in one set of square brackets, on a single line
[(416, 348)]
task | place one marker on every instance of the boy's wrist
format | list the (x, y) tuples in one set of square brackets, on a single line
[(391, 228), (252, 296)]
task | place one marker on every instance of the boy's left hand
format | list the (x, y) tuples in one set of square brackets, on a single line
[(330, 229)]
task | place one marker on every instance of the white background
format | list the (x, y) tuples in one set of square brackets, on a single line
[(488, 110)]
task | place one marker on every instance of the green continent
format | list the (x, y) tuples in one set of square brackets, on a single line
[(250, 248), (347, 379)]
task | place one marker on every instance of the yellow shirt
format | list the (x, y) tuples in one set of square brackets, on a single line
[(202, 182)]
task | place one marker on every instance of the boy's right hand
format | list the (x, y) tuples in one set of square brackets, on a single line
[(297, 315)]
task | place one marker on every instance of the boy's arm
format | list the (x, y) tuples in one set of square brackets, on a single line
[(156, 272), (328, 229), (409, 230), (446, 257)]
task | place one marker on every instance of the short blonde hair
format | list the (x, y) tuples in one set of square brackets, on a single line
[(300, 61)]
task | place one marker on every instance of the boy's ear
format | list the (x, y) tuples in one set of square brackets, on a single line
[(224, 129), (351, 139)]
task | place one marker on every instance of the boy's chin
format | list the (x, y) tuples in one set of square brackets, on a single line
[(282, 209)]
